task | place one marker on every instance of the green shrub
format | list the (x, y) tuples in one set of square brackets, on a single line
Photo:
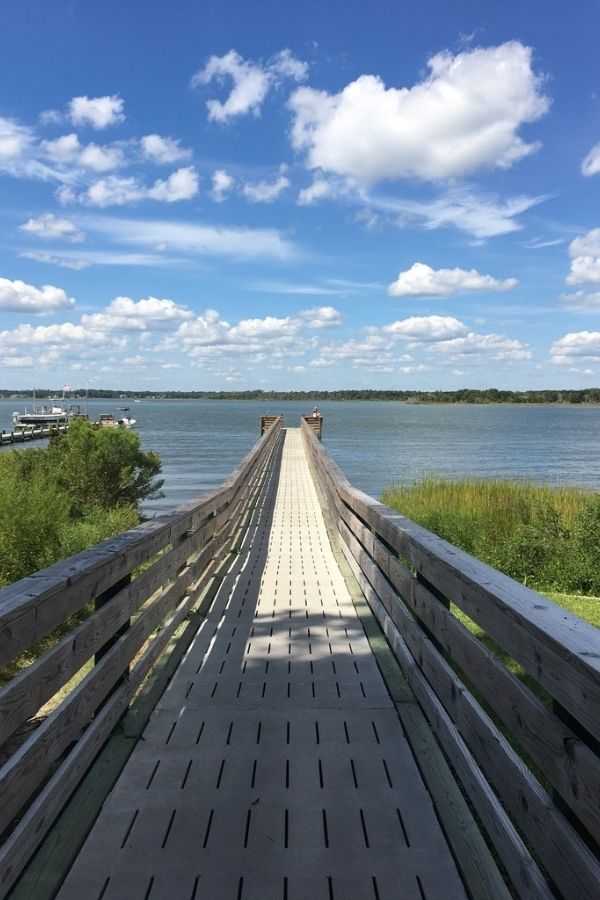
[(83, 488), (548, 538)]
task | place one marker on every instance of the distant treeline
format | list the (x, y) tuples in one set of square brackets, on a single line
[(464, 395)]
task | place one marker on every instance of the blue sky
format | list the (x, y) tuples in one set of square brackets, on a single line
[(230, 195)]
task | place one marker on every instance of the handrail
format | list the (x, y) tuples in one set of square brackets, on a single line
[(180, 552), (527, 759)]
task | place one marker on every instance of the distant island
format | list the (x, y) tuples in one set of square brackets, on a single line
[(463, 395)]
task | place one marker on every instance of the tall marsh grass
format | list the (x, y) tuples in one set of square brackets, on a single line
[(545, 537)]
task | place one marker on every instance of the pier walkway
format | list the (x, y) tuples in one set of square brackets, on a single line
[(285, 690), (275, 765)]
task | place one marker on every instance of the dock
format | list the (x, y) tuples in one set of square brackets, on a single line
[(276, 700), (30, 433)]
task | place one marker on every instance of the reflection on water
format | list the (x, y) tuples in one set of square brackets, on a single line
[(375, 444)]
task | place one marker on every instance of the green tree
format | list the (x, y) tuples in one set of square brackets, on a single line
[(103, 467)]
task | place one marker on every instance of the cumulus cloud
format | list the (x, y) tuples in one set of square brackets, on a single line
[(55, 338), (576, 346), (251, 81), (17, 296), (149, 314), (265, 191), (591, 163), (67, 150), (163, 149), (320, 189), (585, 259), (321, 317), (99, 112), (426, 328), (423, 281), (49, 226), (265, 340), (496, 347), (64, 149), (183, 184), (222, 184), (463, 117)]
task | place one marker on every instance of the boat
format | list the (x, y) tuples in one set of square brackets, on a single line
[(46, 416), (107, 420)]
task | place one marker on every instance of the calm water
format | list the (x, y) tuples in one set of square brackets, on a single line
[(375, 444)]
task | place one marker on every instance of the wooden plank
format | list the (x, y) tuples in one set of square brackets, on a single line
[(35, 605), (517, 860), (28, 691), (569, 862), (23, 773), (47, 870), (571, 766), (561, 651), (474, 859), (29, 831)]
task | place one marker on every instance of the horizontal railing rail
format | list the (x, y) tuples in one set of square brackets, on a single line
[(517, 714), (117, 607)]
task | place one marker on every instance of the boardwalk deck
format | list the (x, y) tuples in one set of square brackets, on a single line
[(275, 765)]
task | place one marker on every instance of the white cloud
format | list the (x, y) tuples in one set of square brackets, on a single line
[(99, 112), (576, 346), (591, 163), (57, 338), (261, 341), (321, 317), (17, 296), (423, 281), (180, 185), (194, 238), (66, 150), (318, 190), (483, 217), (283, 287), (17, 152), (251, 81), (149, 314), (585, 259), (14, 139), (100, 159), (265, 191), (463, 117), (163, 149), (82, 259), (496, 347), (51, 117), (52, 227), (583, 300), (116, 191), (222, 184), (426, 328)]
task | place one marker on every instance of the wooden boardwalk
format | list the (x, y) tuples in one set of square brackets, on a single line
[(275, 765)]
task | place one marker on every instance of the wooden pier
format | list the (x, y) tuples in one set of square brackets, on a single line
[(272, 697), (30, 433)]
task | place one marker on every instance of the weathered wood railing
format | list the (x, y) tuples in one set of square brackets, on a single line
[(147, 579), (527, 759)]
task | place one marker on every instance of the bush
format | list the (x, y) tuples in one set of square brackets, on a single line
[(83, 488), (547, 538)]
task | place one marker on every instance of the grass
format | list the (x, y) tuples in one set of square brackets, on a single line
[(547, 538)]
